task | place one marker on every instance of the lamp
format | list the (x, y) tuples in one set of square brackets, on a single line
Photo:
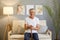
[(7, 11)]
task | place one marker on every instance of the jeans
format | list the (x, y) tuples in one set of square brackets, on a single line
[(27, 36)]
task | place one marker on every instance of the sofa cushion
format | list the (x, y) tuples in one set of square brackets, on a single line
[(18, 26), (43, 29), (16, 36), (46, 36), (43, 26)]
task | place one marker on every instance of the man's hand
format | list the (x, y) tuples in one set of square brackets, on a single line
[(35, 28), (28, 26), (31, 27)]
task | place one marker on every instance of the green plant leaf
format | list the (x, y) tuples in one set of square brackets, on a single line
[(49, 10)]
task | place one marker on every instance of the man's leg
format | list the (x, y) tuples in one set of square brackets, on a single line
[(27, 36), (35, 36)]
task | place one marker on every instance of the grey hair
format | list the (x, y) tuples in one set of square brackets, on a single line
[(31, 9)]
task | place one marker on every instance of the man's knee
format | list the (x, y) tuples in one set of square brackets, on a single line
[(26, 36), (35, 36)]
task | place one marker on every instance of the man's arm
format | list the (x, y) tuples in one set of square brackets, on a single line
[(27, 26), (36, 28)]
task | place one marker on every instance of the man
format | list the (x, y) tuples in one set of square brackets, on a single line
[(31, 26)]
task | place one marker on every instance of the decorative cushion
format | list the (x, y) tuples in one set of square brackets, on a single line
[(43, 29), (43, 26), (18, 26)]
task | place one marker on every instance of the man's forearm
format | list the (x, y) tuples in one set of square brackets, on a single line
[(31, 27), (35, 28), (27, 27)]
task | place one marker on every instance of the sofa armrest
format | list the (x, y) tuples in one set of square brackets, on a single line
[(9, 32), (49, 33)]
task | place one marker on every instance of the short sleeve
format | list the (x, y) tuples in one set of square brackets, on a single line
[(26, 21), (37, 20)]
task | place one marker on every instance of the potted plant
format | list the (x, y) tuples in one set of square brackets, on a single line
[(55, 15)]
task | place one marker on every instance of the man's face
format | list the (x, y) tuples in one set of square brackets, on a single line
[(32, 12)]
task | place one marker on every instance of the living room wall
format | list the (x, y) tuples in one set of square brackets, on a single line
[(45, 16)]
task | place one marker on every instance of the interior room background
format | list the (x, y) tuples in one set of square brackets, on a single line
[(45, 16)]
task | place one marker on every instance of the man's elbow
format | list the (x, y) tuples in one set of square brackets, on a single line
[(38, 28)]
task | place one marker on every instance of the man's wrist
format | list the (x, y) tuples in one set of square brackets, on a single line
[(34, 28)]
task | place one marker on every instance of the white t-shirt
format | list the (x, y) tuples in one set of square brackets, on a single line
[(32, 22)]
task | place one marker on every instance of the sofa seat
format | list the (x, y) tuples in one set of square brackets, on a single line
[(44, 36), (16, 36)]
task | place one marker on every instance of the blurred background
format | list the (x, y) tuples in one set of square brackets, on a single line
[(53, 4)]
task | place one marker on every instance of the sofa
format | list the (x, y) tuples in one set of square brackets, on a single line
[(17, 32)]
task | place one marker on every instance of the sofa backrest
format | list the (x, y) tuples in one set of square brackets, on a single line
[(18, 26)]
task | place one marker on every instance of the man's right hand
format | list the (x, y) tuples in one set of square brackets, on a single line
[(28, 26)]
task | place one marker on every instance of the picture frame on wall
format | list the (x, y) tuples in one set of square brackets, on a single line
[(28, 7), (20, 10), (39, 9)]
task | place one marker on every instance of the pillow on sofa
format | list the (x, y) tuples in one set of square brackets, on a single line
[(43, 29), (18, 30), (18, 27)]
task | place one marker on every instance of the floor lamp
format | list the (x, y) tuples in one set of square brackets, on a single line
[(7, 11)]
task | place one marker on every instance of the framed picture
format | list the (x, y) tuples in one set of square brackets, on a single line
[(39, 9), (28, 7), (43, 22), (20, 9)]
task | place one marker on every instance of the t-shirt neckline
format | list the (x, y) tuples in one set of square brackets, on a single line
[(31, 18)]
